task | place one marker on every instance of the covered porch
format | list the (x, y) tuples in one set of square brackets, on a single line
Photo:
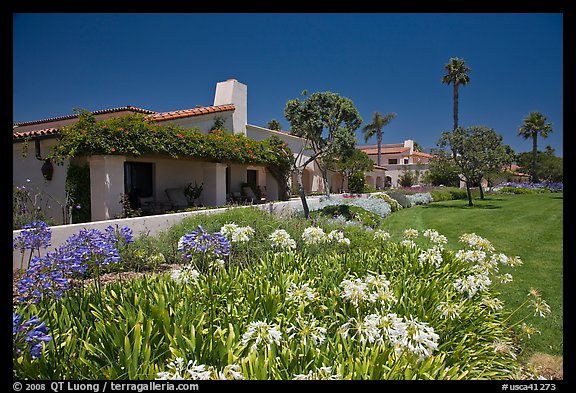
[(145, 179)]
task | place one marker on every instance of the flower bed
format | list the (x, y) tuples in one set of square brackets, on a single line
[(312, 305)]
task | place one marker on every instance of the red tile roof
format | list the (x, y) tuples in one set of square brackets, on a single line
[(43, 132), (98, 112), (163, 116), (385, 150), (157, 116), (421, 154)]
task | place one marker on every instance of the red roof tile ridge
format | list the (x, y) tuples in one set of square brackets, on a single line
[(97, 112)]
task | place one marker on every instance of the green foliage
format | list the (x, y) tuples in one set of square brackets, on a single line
[(394, 204), (78, 191), (274, 125), (448, 193), (399, 197), (351, 213), (147, 322), (533, 125), (476, 151), (442, 170), (128, 210), (136, 135), (407, 178), (357, 183), (193, 192), (29, 204)]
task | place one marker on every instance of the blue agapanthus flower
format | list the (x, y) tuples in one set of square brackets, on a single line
[(33, 236), (201, 243), (29, 335)]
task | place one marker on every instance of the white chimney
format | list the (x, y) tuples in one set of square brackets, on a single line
[(236, 93)]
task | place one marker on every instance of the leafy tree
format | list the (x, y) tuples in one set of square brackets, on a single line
[(357, 161), (476, 151), (375, 128), (442, 169), (357, 183), (535, 123), (417, 147), (274, 125), (550, 167), (456, 74), (327, 123)]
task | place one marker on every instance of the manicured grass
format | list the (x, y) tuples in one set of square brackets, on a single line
[(529, 226)]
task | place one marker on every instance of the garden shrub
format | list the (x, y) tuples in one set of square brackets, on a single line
[(400, 197), (394, 205), (349, 212), (357, 183)]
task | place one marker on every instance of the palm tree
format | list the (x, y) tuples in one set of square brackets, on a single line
[(375, 128), (534, 124), (457, 74)]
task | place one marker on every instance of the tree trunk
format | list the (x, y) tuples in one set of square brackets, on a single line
[(379, 142), (299, 180), (324, 172), (534, 156), (455, 105), (481, 189), (469, 193)]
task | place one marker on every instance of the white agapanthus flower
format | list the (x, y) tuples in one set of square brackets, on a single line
[(302, 293), (237, 234), (410, 233), (260, 332), (314, 235), (323, 373), (355, 290), (382, 235), (449, 310), (307, 331), (242, 234), (493, 303), (432, 255), (231, 372), (435, 237), (180, 371), (187, 274), (472, 284), (476, 242), (338, 237), (281, 240), (228, 230), (505, 278)]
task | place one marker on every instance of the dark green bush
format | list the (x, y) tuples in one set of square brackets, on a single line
[(400, 198)]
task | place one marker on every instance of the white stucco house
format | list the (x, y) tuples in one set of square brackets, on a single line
[(113, 175), (397, 158)]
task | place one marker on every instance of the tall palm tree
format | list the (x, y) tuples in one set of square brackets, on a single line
[(457, 74), (375, 128), (534, 124)]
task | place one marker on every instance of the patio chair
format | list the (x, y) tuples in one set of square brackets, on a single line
[(177, 198), (249, 193)]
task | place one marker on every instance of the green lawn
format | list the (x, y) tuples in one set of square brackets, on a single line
[(529, 226)]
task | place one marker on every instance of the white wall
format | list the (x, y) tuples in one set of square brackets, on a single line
[(150, 225), (203, 122), (236, 93), (51, 194)]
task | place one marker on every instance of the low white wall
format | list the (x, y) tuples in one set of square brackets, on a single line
[(151, 225)]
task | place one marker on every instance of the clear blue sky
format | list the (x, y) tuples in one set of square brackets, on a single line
[(382, 62)]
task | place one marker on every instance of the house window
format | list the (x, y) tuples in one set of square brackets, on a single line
[(252, 177), (392, 161), (406, 161), (138, 180)]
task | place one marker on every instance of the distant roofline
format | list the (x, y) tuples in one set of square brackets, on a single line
[(156, 116), (75, 115)]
